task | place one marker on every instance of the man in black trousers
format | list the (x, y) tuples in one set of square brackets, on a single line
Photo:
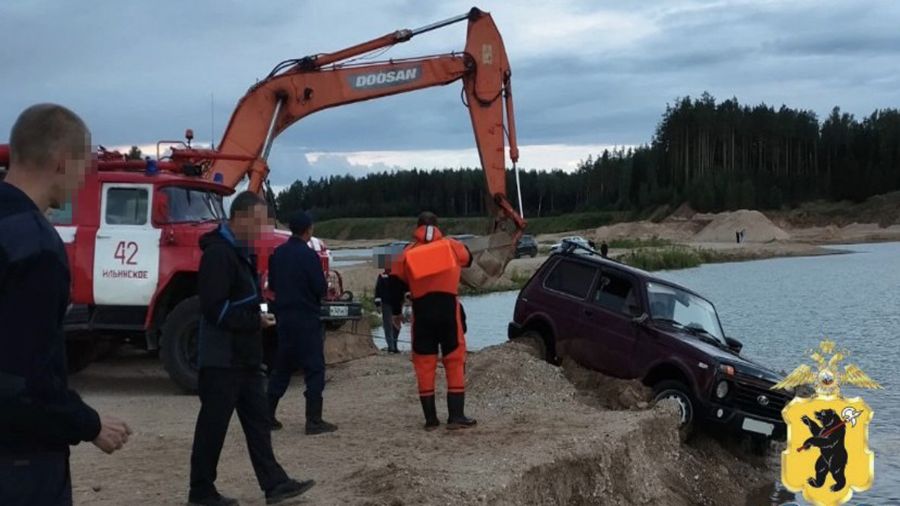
[(39, 416), (230, 358), (296, 277)]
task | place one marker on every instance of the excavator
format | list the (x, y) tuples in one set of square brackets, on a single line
[(298, 87)]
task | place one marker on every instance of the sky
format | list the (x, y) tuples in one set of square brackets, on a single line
[(586, 74)]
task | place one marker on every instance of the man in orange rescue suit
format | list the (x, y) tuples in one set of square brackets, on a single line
[(430, 269)]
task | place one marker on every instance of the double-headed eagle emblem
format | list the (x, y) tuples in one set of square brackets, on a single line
[(828, 377)]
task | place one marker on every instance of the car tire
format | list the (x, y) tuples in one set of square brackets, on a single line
[(536, 343), (533, 254), (681, 394), (179, 344)]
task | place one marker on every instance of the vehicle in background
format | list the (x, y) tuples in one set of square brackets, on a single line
[(626, 323), (526, 246), (577, 239)]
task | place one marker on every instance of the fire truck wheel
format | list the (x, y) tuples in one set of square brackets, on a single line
[(179, 343), (79, 354)]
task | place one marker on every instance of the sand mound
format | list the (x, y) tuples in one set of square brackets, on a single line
[(756, 226), (683, 212), (606, 392), (672, 231)]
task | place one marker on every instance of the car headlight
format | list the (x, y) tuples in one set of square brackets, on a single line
[(722, 389)]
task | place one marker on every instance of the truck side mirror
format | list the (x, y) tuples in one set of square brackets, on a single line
[(734, 344)]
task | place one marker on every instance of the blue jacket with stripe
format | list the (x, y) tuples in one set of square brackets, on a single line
[(228, 286)]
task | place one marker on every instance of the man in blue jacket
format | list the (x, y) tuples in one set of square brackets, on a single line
[(39, 416), (296, 277), (230, 357)]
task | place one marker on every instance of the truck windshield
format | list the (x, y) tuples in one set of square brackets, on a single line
[(182, 205), (685, 310)]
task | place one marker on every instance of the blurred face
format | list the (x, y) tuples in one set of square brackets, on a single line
[(249, 226), (72, 167)]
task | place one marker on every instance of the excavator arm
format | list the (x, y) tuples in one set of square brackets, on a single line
[(297, 88)]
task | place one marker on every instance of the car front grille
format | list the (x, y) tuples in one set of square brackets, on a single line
[(748, 392)]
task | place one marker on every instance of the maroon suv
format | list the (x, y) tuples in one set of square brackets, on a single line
[(626, 323)]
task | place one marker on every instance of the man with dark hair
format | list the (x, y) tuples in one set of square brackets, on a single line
[(39, 416), (230, 357), (430, 270), (296, 278)]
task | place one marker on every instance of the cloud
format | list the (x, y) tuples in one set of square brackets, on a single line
[(585, 73)]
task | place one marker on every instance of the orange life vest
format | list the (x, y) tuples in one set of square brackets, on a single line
[(433, 263)]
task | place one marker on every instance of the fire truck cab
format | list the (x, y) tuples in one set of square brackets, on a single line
[(132, 240)]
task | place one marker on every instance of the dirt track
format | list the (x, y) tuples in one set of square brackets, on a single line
[(540, 440)]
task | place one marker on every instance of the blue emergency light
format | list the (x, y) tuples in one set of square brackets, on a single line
[(152, 169)]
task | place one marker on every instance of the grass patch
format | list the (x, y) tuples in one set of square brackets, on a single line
[(401, 227), (567, 222), (669, 258), (654, 242)]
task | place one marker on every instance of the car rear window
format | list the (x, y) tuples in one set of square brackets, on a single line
[(571, 278), (616, 293)]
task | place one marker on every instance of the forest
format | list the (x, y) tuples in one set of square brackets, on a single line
[(713, 155)]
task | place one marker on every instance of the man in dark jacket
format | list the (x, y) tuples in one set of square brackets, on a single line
[(383, 303), (296, 277), (230, 357), (39, 416)]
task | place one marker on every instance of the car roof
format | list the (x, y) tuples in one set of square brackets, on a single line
[(634, 271)]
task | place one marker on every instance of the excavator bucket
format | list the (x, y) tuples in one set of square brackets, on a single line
[(490, 255)]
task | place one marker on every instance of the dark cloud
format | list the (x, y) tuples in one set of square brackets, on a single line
[(142, 71)]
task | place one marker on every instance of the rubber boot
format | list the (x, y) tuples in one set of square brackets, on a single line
[(273, 407), (456, 404), (314, 423), (430, 410)]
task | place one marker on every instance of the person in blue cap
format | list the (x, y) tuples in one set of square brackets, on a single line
[(296, 278)]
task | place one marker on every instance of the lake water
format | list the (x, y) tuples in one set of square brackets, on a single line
[(779, 308)]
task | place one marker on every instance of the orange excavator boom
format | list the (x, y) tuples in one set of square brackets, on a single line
[(297, 88)]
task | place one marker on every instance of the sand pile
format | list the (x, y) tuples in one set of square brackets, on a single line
[(672, 231), (755, 225)]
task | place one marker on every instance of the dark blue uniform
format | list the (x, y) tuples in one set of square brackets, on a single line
[(39, 416), (296, 277)]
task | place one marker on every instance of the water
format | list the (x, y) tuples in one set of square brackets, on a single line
[(346, 257), (779, 308)]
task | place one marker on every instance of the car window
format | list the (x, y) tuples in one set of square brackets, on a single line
[(126, 206), (617, 293), (572, 278), (182, 205)]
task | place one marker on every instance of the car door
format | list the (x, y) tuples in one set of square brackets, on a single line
[(126, 248), (615, 300), (567, 286)]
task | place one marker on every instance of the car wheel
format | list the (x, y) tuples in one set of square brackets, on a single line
[(535, 342), (180, 344), (533, 253), (680, 394)]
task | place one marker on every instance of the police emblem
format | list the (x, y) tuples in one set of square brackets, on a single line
[(827, 456)]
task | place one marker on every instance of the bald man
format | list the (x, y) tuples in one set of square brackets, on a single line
[(39, 416)]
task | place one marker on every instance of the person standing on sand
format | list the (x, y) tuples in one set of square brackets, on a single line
[(296, 277), (604, 250), (230, 357), (382, 302), (40, 417), (430, 270)]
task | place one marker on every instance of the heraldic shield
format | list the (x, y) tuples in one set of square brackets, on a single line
[(827, 456)]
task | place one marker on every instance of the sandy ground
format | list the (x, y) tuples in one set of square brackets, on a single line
[(546, 435)]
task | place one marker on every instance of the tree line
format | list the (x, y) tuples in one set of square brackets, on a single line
[(714, 155)]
